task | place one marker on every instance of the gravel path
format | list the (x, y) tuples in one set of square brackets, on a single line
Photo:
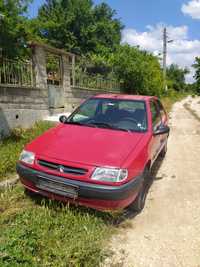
[(167, 232)]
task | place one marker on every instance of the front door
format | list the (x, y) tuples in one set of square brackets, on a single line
[(156, 122)]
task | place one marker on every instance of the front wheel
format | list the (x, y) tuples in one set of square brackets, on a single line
[(139, 202)]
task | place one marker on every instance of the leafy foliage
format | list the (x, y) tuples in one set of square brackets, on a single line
[(13, 27), (138, 70), (196, 66), (176, 77), (78, 26)]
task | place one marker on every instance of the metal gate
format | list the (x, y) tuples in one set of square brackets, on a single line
[(56, 96)]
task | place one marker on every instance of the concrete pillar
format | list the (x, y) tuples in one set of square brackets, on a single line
[(68, 89), (39, 65), (66, 73)]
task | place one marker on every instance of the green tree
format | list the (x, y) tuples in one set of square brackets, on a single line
[(78, 26), (176, 77), (138, 70), (13, 29), (196, 66)]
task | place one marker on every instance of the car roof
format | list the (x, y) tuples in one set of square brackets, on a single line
[(125, 97)]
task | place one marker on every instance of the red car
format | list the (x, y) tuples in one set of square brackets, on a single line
[(101, 155)]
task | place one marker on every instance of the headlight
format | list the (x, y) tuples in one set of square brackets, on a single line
[(109, 175), (27, 157)]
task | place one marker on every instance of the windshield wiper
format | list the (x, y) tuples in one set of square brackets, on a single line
[(80, 123), (102, 124), (109, 126)]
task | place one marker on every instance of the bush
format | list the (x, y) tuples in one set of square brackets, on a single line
[(11, 146), (170, 97)]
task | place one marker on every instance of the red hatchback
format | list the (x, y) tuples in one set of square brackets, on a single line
[(101, 155)]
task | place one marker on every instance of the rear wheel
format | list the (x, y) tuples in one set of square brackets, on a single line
[(139, 202)]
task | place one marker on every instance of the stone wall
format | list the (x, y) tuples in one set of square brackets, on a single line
[(21, 107)]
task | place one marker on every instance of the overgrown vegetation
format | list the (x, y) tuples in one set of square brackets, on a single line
[(172, 97), (11, 146), (176, 77), (14, 28), (37, 232), (139, 71), (197, 75)]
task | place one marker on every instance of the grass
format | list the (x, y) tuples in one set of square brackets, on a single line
[(172, 98), (38, 232), (11, 146)]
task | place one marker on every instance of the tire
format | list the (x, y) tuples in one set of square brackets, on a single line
[(29, 193), (163, 151), (139, 203)]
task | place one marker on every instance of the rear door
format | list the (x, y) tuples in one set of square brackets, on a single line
[(164, 121), (156, 122)]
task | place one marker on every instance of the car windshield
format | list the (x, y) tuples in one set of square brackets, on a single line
[(117, 114)]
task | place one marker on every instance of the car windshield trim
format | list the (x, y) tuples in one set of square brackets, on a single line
[(99, 125), (112, 127)]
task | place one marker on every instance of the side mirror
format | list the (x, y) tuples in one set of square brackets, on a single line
[(162, 129), (63, 119)]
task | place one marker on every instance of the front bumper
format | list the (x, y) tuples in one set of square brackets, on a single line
[(84, 193)]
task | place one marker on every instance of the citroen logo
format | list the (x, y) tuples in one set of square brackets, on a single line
[(61, 168)]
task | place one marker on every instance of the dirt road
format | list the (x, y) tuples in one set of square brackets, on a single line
[(167, 232)]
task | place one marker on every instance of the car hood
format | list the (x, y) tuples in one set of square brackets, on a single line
[(86, 145)]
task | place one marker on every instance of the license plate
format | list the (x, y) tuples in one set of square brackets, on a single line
[(58, 188)]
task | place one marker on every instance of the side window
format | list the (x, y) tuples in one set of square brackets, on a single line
[(161, 108), (86, 111), (156, 118)]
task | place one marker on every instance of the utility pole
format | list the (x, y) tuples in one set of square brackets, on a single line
[(165, 57), (165, 42)]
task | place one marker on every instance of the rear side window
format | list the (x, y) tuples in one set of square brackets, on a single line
[(161, 108), (156, 117)]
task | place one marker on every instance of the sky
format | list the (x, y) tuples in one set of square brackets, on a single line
[(144, 21)]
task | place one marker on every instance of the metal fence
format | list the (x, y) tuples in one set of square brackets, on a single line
[(13, 72), (92, 82)]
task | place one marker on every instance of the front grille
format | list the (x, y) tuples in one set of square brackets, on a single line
[(62, 168)]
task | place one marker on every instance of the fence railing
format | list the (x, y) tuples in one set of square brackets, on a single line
[(92, 82), (13, 72)]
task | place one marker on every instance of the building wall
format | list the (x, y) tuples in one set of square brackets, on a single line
[(21, 107)]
